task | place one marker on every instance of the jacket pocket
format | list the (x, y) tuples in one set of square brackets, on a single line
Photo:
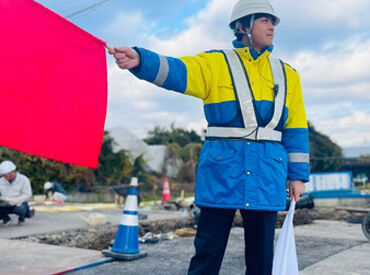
[(278, 155), (219, 173), (221, 113), (222, 150)]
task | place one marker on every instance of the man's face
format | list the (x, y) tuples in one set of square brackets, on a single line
[(10, 176), (263, 32)]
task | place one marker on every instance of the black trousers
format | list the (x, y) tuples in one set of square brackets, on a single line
[(20, 210), (213, 233)]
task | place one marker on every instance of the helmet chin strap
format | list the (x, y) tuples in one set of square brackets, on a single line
[(249, 33)]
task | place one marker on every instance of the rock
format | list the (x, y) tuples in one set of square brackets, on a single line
[(186, 232)]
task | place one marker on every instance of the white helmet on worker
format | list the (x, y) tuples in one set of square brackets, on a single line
[(245, 8), (6, 167), (48, 185)]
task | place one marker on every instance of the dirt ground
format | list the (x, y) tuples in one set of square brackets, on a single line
[(100, 237)]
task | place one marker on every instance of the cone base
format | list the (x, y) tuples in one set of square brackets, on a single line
[(166, 198), (127, 240), (124, 256)]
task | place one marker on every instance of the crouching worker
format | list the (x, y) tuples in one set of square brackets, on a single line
[(55, 191), (16, 191)]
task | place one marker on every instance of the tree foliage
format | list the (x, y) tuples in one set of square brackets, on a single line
[(325, 154), (186, 146), (161, 135), (113, 167), (360, 165)]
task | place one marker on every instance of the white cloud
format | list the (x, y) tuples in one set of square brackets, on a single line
[(206, 30), (140, 106), (126, 23), (334, 75), (130, 26), (347, 130), (343, 62), (336, 93), (309, 13), (336, 84), (145, 104)]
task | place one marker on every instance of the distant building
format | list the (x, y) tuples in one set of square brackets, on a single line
[(360, 167), (355, 152), (154, 155)]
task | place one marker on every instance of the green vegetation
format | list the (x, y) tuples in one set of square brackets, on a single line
[(182, 137), (325, 154), (184, 148), (113, 168)]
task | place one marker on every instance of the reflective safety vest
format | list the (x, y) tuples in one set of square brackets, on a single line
[(244, 95)]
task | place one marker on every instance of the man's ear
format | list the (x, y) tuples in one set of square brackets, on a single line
[(241, 29)]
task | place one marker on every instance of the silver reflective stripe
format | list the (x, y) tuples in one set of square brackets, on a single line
[(228, 132), (278, 76), (264, 133), (245, 97), (162, 71), (129, 220), (299, 157), (242, 88)]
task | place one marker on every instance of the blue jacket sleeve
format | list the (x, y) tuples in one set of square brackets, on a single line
[(166, 72), (296, 136)]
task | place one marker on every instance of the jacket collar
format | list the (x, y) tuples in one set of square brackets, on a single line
[(252, 52)]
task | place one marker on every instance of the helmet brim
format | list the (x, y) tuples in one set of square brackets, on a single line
[(232, 24)]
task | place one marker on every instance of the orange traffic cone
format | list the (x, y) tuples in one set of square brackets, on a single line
[(166, 196)]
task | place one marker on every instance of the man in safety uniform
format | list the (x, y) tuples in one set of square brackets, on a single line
[(257, 136)]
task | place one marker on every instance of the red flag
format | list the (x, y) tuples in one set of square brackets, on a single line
[(53, 85)]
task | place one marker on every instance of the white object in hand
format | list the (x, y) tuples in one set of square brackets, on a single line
[(285, 258)]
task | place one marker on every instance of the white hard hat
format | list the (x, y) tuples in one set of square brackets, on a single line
[(6, 167), (48, 185), (248, 7)]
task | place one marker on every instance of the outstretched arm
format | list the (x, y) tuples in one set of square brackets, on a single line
[(188, 75)]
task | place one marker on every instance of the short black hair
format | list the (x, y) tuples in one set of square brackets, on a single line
[(245, 21)]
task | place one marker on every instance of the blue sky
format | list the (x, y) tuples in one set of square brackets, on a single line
[(327, 41)]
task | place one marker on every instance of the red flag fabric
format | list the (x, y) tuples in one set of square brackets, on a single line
[(53, 85)]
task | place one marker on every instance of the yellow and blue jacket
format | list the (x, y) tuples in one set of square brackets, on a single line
[(238, 173)]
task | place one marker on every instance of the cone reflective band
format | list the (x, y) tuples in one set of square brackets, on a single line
[(166, 196), (53, 85), (127, 237)]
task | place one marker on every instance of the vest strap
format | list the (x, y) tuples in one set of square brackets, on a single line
[(244, 96)]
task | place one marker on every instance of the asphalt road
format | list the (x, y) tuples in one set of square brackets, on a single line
[(324, 247), (70, 219), (317, 245)]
